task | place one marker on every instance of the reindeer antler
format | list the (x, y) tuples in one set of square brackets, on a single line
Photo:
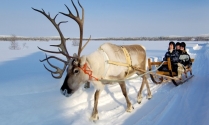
[(62, 46), (80, 22)]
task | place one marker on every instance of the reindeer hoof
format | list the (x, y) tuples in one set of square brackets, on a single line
[(94, 118), (139, 100), (129, 109), (149, 97)]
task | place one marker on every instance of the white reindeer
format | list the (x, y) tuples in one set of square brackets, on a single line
[(109, 63)]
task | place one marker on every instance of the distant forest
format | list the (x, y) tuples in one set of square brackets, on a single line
[(162, 38)]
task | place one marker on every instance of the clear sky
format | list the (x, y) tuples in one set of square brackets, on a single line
[(108, 18)]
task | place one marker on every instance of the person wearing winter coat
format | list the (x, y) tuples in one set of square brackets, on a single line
[(184, 60), (174, 57), (178, 47)]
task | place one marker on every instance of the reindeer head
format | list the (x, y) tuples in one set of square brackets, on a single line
[(74, 64), (76, 77)]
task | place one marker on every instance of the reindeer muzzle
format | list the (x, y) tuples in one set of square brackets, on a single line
[(65, 92)]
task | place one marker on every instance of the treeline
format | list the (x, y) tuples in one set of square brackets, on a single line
[(17, 38), (156, 38)]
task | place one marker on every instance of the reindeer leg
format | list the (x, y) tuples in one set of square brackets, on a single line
[(149, 96), (94, 115), (87, 84), (123, 88), (139, 96)]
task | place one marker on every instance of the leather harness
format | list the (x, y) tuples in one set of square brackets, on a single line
[(128, 64), (128, 61)]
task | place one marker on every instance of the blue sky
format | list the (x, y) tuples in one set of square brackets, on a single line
[(108, 18)]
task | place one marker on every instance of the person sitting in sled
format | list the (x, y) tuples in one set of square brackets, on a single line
[(178, 47), (184, 60), (174, 57)]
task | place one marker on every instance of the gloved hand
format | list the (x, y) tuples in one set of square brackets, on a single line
[(179, 65)]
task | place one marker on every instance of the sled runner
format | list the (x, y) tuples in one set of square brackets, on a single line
[(164, 76)]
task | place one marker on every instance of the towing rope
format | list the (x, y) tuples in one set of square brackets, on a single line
[(119, 80)]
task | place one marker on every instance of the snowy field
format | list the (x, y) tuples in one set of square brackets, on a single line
[(30, 96)]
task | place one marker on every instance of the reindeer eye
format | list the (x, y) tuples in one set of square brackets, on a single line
[(76, 71)]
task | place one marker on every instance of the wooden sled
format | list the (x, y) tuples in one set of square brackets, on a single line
[(164, 76)]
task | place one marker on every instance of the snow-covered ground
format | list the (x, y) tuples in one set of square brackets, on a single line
[(30, 96)]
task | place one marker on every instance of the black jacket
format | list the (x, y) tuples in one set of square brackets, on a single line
[(174, 56), (185, 59)]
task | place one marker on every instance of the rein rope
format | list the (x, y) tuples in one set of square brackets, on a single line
[(88, 71)]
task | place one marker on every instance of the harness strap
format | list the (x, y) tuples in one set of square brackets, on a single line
[(128, 60), (118, 63), (88, 71), (127, 55), (106, 64)]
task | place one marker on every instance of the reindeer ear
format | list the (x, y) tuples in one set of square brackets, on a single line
[(75, 62), (75, 55), (82, 60)]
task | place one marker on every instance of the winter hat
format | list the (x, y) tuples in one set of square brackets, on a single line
[(173, 44), (183, 44), (178, 44)]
